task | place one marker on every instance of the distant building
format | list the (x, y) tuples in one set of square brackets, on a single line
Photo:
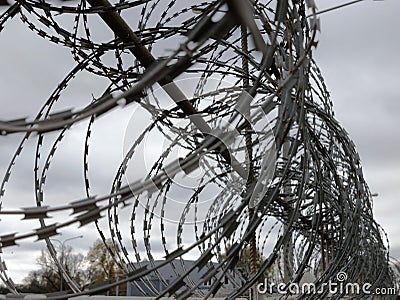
[(158, 281)]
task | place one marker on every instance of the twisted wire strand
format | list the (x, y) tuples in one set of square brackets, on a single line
[(315, 213)]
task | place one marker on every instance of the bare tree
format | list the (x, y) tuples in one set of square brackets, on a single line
[(48, 277)]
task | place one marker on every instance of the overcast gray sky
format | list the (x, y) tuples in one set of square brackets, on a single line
[(357, 53)]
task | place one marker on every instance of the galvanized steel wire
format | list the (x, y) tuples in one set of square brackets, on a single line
[(314, 213)]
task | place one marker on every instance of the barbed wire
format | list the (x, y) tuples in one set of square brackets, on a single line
[(285, 178)]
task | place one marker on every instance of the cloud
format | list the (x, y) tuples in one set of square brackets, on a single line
[(358, 57)]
